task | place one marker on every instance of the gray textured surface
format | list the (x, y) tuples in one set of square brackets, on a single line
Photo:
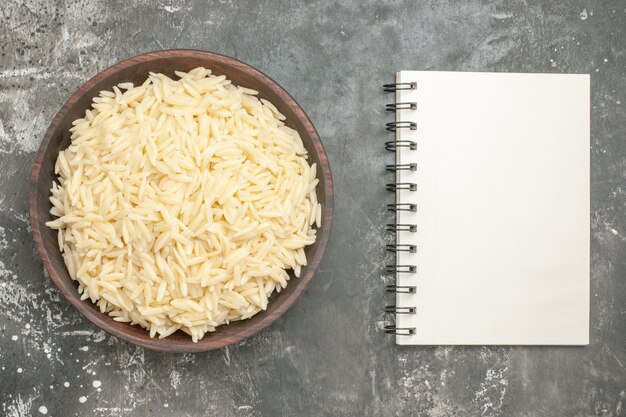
[(327, 355)]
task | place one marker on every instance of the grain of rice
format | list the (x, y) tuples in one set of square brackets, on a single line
[(180, 204)]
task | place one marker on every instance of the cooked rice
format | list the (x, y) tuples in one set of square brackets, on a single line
[(181, 204)]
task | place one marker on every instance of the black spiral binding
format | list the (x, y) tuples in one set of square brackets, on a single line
[(399, 310), (409, 105), (401, 269), (400, 331), (402, 248), (393, 146), (399, 86), (401, 289), (402, 207), (401, 167), (397, 186), (393, 126)]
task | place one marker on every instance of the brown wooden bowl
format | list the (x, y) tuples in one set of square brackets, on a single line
[(136, 70)]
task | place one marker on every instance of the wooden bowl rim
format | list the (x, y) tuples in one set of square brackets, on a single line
[(103, 321)]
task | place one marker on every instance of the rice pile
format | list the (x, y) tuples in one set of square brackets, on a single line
[(182, 204)]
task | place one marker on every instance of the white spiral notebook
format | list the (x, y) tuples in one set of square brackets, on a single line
[(492, 208)]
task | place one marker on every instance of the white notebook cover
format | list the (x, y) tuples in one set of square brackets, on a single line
[(503, 208)]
